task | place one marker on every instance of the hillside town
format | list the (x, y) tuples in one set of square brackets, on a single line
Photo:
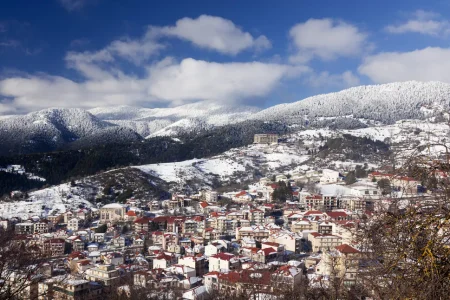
[(275, 235)]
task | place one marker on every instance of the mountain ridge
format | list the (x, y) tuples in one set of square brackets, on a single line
[(357, 107)]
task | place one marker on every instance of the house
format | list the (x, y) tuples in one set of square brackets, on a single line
[(119, 241), (287, 276), (325, 227), (329, 176), (264, 255), (247, 281), (182, 270), (242, 196), (196, 262), (99, 237), (197, 293), (222, 261), (81, 265), (92, 247), (164, 260), (214, 248), (131, 215), (113, 258), (341, 261), (338, 216), (83, 214), (291, 241)]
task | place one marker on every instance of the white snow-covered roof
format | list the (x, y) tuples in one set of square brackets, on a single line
[(113, 205)]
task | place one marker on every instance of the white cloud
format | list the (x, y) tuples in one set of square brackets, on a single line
[(326, 39), (72, 5), (213, 33), (325, 79), (196, 79), (104, 81), (168, 81), (423, 22), (427, 64)]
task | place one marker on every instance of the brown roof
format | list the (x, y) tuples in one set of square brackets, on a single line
[(344, 248)]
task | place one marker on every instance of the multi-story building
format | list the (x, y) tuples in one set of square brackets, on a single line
[(265, 138), (112, 212), (24, 228), (74, 224), (256, 216), (255, 232), (54, 247), (211, 196), (40, 227), (321, 242), (73, 289), (195, 262), (104, 274)]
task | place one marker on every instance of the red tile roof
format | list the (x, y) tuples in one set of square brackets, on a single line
[(223, 256), (336, 214), (131, 213), (344, 248)]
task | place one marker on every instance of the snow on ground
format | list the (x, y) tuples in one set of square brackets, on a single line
[(45, 202), (237, 164), (172, 172)]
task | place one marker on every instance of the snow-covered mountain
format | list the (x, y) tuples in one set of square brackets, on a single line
[(49, 129), (173, 120), (385, 103), (352, 108)]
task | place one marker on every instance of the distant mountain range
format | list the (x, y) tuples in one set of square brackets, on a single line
[(55, 128)]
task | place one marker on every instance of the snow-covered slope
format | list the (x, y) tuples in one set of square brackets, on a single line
[(49, 129), (386, 103), (216, 113), (235, 165), (172, 120), (182, 126)]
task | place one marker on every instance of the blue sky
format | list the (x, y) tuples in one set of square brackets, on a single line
[(90, 53)]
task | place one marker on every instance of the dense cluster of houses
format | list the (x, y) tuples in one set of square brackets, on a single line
[(197, 245)]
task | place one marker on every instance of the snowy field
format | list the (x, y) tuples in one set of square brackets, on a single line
[(44, 202)]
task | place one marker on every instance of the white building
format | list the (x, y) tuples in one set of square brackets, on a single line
[(329, 176), (211, 196), (74, 224)]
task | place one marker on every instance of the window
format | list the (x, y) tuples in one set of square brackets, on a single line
[(375, 192), (366, 192)]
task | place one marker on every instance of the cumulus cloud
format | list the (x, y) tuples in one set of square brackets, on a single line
[(213, 33), (427, 64), (167, 81), (423, 22), (325, 79), (105, 79), (196, 79), (326, 39)]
